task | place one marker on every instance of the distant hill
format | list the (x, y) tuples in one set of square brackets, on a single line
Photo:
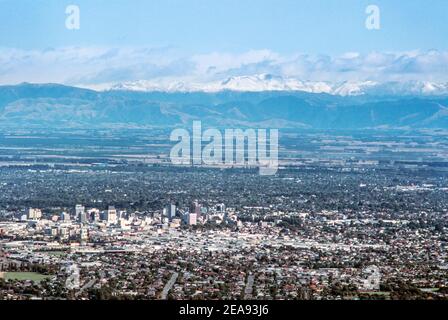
[(53, 105)]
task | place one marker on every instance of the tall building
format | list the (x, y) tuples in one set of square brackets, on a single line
[(195, 207), (111, 215), (170, 211), (192, 219), (65, 217), (34, 214), (80, 213), (94, 215)]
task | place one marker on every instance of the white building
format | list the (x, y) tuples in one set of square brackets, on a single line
[(192, 219), (94, 215), (34, 214), (111, 215), (65, 217)]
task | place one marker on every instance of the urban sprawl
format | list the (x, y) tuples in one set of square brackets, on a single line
[(355, 222)]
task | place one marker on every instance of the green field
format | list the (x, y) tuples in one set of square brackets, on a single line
[(36, 277), (56, 253)]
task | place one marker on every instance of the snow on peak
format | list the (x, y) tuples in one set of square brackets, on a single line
[(269, 82), (353, 88)]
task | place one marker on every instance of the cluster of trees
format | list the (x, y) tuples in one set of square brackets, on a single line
[(26, 267)]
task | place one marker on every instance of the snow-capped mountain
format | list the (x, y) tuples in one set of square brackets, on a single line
[(353, 88), (268, 82), (256, 83)]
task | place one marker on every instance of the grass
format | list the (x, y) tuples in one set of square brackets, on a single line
[(21, 276)]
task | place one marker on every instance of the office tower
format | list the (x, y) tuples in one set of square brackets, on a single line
[(111, 215), (170, 211), (94, 215), (80, 213), (192, 219), (195, 208), (65, 217), (34, 214)]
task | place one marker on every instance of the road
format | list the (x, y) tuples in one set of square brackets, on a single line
[(249, 287), (169, 285)]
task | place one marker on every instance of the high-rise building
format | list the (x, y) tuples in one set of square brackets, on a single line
[(94, 215), (192, 219), (111, 215), (195, 207), (34, 214), (65, 217), (170, 211), (80, 213)]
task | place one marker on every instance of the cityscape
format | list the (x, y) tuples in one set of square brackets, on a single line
[(340, 223), (223, 158)]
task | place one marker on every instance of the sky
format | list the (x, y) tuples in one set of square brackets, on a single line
[(202, 40)]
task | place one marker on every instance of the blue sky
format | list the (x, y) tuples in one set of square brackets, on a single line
[(187, 30), (312, 26)]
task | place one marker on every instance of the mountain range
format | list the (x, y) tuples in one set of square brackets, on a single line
[(59, 106), (268, 82)]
